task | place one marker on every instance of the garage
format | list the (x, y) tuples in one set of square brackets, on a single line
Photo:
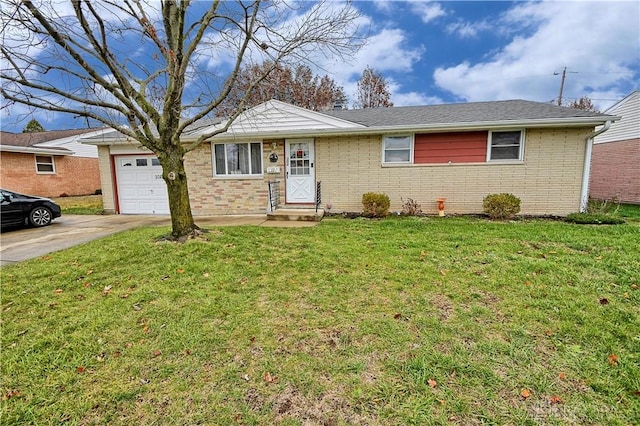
[(141, 189)]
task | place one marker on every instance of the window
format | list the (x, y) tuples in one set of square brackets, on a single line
[(237, 159), (44, 164), (505, 146), (397, 149)]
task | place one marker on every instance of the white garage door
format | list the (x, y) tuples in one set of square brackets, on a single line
[(141, 189)]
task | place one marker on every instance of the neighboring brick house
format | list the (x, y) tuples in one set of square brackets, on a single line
[(615, 162), (49, 164), (461, 152)]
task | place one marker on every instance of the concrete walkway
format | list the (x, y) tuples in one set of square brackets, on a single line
[(67, 231)]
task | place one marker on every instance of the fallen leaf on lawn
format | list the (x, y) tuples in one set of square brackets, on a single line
[(245, 377), (157, 353), (526, 393), (562, 376), (634, 286), (86, 284), (269, 378), (180, 271), (549, 333), (136, 307), (422, 255), (397, 316), (443, 272), (107, 289), (90, 271), (230, 245), (555, 399), (11, 393), (166, 277), (58, 290), (613, 359), (124, 296), (527, 283), (80, 369), (604, 301), (206, 275), (100, 358), (432, 383), (145, 329), (186, 352)]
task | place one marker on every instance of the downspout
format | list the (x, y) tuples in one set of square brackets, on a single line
[(584, 196)]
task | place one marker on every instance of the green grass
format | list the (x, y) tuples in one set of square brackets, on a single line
[(86, 204), (629, 211), (376, 322)]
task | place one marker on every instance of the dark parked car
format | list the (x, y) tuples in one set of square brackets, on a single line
[(20, 209)]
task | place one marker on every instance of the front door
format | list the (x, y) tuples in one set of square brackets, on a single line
[(300, 171)]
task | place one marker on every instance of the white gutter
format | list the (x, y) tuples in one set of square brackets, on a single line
[(34, 150), (252, 134), (584, 196)]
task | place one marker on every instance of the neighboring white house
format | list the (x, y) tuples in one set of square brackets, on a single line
[(615, 162)]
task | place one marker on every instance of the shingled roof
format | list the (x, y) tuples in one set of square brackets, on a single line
[(31, 139), (472, 112)]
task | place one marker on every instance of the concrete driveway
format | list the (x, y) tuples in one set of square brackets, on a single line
[(67, 231)]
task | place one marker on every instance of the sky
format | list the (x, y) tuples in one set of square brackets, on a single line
[(434, 52)]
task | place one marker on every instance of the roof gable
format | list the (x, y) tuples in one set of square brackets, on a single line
[(277, 116)]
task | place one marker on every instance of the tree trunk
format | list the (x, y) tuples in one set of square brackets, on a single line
[(174, 175)]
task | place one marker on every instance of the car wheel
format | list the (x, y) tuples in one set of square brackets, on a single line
[(40, 216)]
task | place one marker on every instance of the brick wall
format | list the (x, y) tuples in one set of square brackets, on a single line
[(73, 176), (615, 171), (548, 181), (211, 195)]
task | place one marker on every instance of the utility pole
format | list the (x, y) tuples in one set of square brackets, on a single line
[(564, 75)]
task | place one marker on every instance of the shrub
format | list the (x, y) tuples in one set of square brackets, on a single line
[(501, 206), (375, 204), (603, 206), (411, 207), (593, 219)]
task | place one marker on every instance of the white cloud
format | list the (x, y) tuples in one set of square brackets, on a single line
[(427, 10), (598, 40), (468, 29)]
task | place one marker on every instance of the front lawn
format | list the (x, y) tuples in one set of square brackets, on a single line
[(371, 322), (84, 204)]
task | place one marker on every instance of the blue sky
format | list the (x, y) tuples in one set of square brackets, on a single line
[(462, 51)]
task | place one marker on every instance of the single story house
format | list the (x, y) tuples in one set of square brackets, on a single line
[(615, 163), (49, 164), (462, 152)]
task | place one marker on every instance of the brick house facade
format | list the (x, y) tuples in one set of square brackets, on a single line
[(350, 156), (615, 163), (49, 164)]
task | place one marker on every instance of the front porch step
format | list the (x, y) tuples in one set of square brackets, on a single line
[(308, 215)]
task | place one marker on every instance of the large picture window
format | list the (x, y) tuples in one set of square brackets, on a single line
[(237, 159), (397, 149), (505, 146), (44, 164)]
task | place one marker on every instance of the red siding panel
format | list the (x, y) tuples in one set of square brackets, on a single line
[(458, 147)]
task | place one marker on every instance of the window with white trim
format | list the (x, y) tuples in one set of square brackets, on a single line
[(505, 145), (397, 149), (237, 159), (45, 164)]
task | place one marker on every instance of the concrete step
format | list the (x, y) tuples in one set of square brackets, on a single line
[(308, 215)]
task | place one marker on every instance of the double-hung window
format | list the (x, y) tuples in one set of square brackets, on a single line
[(397, 149), (505, 146), (238, 159), (44, 164)]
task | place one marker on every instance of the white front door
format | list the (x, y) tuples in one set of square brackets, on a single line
[(141, 189), (300, 171)]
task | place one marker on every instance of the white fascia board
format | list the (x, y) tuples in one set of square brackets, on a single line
[(230, 135), (34, 150), (431, 128)]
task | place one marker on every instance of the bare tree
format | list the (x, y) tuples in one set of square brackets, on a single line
[(372, 90), (297, 86), (583, 103), (158, 67)]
